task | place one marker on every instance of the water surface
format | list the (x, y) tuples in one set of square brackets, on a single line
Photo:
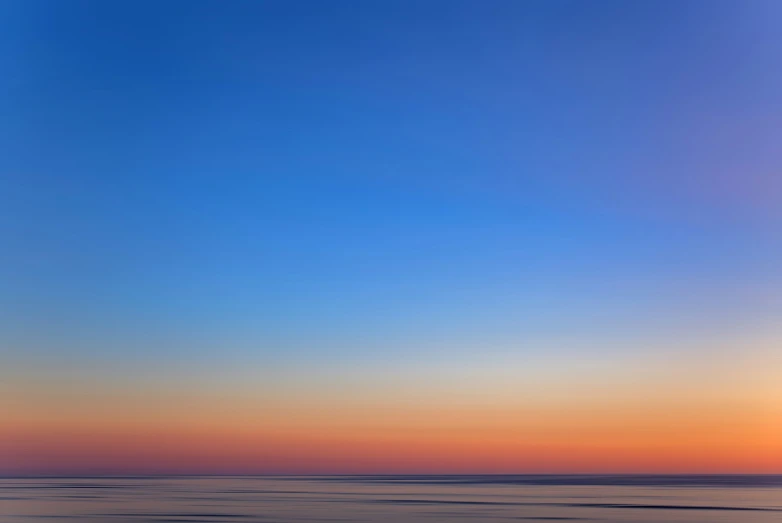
[(393, 499)]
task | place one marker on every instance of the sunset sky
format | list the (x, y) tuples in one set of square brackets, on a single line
[(390, 236)]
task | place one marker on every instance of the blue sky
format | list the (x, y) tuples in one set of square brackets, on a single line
[(332, 178)]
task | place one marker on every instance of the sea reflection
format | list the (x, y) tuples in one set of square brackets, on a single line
[(392, 499)]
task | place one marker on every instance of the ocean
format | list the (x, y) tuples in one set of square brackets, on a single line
[(393, 499)]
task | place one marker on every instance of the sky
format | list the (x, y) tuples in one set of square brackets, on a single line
[(399, 236)]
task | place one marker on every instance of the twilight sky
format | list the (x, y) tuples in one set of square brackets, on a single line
[(390, 236)]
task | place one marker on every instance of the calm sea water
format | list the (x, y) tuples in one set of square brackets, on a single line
[(393, 499)]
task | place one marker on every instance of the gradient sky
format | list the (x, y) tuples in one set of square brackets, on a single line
[(390, 236)]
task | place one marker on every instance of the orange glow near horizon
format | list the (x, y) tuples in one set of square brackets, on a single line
[(624, 432), (663, 414)]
